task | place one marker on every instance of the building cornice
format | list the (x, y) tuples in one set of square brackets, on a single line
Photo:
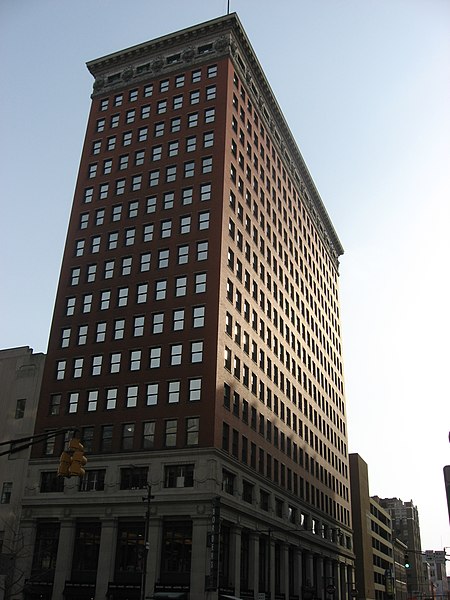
[(201, 43)]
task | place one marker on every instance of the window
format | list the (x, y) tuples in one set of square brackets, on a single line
[(145, 111), (189, 169), (160, 289), (82, 334), (100, 333), (202, 251), (113, 239), (55, 405), (156, 152), (159, 129), (101, 124), (155, 358), (208, 139), (195, 96), (196, 76), (193, 120), (176, 476), (138, 326), (178, 319), (186, 197), (139, 157), (95, 244), (91, 272), (170, 434), (177, 102), (126, 265), (210, 115), (207, 164), (145, 262), (192, 431), (134, 478), (135, 360), (142, 134), (203, 220), (119, 327), (103, 193), (153, 178), (173, 148), (127, 436), (198, 316), (127, 137), (148, 435), (73, 402), (152, 394), (183, 255), (158, 323), (136, 183), (111, 398), (79, 247), (109, 269), (179, 81), (142, 290), (92, 400), (247, 492), (166, 228), (196, 352), (88, 195), (195, 389), (50, 483), (148, 232), (205, 192), (168, 200), (185, 224), (173, 392), (212, 71), (130, 116), (175, 124), (115, 121), (200, 283), (65, 339), (132, 396), (107, 166), (210, 92), (180, 286), (161, 107), (122, 296), (176, 351), (148, 90), (84, 220), (111, 143), (92, 481), (20, 408), (116, 212), (75, 276), (115, 362), (191, 143), (78, 367), (97, 365)]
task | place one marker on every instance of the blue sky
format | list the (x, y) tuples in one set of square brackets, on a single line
[(365, 88)]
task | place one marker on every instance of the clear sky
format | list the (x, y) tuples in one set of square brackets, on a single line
[(365, 88)]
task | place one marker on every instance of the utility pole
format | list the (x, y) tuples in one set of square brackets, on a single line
[(147, 499)]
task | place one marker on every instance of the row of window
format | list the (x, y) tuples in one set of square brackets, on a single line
[(113, 363), (247, 452), (170, 149), (168, 200), (162, 87), (155, 177), (111, 398), (175, 125), (156, 324), (160, 107), (166, 229)]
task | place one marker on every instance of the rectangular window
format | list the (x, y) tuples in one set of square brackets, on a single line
[(176, 476), (155, 358), (138, 326), (134, 478), (192, 431), (175, 124), (178, 319), (127, 436), (160, 290), (122, 296), (132, 396), (180, 286), (196, 352), (115, 362), (170, 433), (195, 389), (92, 400), (20, 408), (198, 316), (200, 283), (145, 262), (202, 251), (187, 195), (152, 394), (142, 290), (135, 360), (148, 435), (173, 392), (73, 402), (158, 323), (111, 398)]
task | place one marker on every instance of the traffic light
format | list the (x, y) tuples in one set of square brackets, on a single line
[(64, 464), (78, 458), (406, 562)]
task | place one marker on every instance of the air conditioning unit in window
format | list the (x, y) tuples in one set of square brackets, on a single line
[(180, 482)]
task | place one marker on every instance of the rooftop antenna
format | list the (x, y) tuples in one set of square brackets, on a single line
[(228, 7)]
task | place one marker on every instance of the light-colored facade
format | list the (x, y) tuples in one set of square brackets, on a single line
[(195, 345), (20, 381), (435, 562)]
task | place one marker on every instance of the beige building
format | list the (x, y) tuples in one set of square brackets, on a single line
[(20, 382)]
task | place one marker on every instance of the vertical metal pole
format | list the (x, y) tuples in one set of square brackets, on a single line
[(146, 541)]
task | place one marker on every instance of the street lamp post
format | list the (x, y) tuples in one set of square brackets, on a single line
[(146, 499)]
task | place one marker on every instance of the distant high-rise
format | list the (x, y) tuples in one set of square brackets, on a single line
[(195, 344), (405, 525)]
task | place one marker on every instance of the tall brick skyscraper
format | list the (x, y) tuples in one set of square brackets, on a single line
[(195, 344)]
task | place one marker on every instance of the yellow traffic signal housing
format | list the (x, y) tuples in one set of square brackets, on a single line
[(65, 462), (78, 458)]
